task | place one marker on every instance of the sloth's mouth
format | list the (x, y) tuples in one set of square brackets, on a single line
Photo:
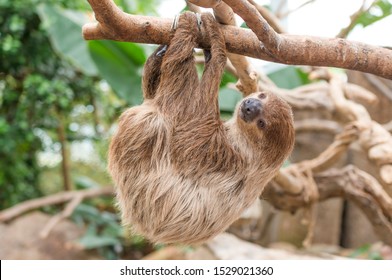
[(250, 108)]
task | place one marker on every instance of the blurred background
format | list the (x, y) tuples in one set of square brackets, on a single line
[(60, 97)]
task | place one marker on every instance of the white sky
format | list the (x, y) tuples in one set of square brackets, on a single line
[(320, 18)]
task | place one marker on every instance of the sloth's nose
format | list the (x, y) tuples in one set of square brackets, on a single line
[(250, 108)]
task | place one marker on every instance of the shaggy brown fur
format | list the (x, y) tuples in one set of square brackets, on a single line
[(181, 174)]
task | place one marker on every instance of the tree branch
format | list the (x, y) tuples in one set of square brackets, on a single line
[(21, 208), (113, 24), (269, 17), (349, 182), (315, 50), (247, 75)]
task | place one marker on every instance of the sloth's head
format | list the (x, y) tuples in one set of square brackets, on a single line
[(267, 122)]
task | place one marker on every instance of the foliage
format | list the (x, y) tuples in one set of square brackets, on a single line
[(289, 77), (379, 10), (104, 231), (36, 87), (366, 251)]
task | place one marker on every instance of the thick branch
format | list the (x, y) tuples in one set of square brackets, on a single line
[(281, 47), (288, 49)]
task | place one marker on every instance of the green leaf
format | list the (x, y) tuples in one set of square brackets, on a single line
[(93, 242), (83, 182), (228, 99), (289, 77), (380, 10), (65, 32), (227, 78), (119, 64)]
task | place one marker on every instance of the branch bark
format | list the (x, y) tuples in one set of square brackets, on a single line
[(316, 50), (114, 24)]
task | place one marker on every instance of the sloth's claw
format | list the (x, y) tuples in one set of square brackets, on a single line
[(175, 22), (199, 22), (162, 51)]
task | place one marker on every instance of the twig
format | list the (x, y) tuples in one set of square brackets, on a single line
[(270, 17), (23, 207), (317, 125), (67, 212), (281, 16)]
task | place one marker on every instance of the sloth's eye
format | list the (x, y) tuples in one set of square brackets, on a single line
[(261, 124)]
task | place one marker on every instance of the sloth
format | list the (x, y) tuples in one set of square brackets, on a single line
[(182, 175)]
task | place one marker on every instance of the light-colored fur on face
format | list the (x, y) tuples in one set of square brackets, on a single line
[(183, 176)]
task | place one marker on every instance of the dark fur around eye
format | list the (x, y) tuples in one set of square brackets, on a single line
[(261, 95), (261, 124)]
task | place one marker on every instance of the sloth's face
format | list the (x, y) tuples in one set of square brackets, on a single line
[(266, 117), (251, 110)]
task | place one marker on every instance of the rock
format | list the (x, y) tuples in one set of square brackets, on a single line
[(20, 240)]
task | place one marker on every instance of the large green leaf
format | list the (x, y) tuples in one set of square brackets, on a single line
[(120, 64), (64, 27), (228, 99)]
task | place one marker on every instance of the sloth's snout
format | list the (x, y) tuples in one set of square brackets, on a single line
[(250, 109)]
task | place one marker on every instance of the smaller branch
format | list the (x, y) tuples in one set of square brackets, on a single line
[(58, 198), (317, 125), (359, 94), (334, 151), (353, 19), (270, 17), (284, 15), (288, 183), (347, 109), (312, 96), (247, 83), (298, 178), (67, 212), (269, 38)]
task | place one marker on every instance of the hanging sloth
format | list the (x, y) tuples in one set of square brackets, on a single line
[(182, 175)]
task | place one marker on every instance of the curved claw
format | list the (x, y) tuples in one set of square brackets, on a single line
[(162, 51), (207, 55), (199, 22), (175, 22)]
